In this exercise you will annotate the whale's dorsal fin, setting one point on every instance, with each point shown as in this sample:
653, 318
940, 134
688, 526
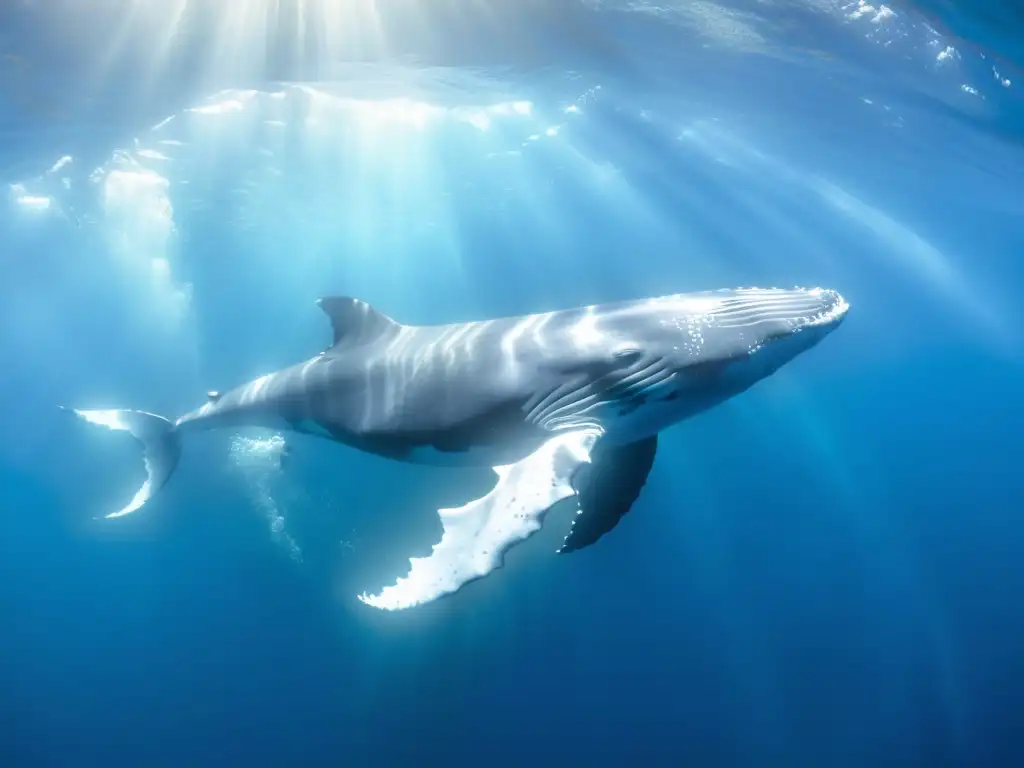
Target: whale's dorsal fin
354, 321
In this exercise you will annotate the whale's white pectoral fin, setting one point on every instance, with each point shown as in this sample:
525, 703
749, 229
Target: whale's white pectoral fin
477, 535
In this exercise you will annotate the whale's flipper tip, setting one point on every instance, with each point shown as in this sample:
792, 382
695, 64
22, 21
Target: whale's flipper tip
477, 535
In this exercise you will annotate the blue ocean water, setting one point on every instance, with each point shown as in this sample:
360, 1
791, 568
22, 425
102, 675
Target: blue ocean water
825, 571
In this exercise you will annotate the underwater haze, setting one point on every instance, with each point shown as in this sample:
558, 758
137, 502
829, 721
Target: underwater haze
824, 571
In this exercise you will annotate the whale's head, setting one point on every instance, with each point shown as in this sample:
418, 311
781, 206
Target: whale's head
661, 360
723, 342
682, 354
751, 332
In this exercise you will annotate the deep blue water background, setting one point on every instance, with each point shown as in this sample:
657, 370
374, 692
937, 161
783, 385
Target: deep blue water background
825, 571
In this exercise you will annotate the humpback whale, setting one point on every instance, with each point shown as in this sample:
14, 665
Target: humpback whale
562, 404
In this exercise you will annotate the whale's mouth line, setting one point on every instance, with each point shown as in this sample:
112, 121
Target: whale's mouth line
831, 315
794, 309
834, 313
776, 320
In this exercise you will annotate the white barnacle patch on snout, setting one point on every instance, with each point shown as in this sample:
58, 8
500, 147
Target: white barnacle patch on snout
834, 310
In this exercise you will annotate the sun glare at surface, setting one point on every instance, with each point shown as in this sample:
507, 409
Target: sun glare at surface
305, 112
252, 39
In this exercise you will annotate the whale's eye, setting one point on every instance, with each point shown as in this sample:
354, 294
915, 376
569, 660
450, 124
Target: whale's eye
627, 356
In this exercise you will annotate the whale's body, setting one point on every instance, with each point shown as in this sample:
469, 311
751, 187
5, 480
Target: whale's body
535, 396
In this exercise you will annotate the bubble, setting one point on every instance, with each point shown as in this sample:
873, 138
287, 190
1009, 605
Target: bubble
259, 460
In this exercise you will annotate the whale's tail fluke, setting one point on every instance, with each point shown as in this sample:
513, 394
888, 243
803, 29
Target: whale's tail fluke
160, 444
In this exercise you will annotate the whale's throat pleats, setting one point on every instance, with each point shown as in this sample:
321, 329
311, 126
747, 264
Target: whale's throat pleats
585, 399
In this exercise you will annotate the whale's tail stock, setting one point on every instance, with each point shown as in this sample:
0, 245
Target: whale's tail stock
160, 445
